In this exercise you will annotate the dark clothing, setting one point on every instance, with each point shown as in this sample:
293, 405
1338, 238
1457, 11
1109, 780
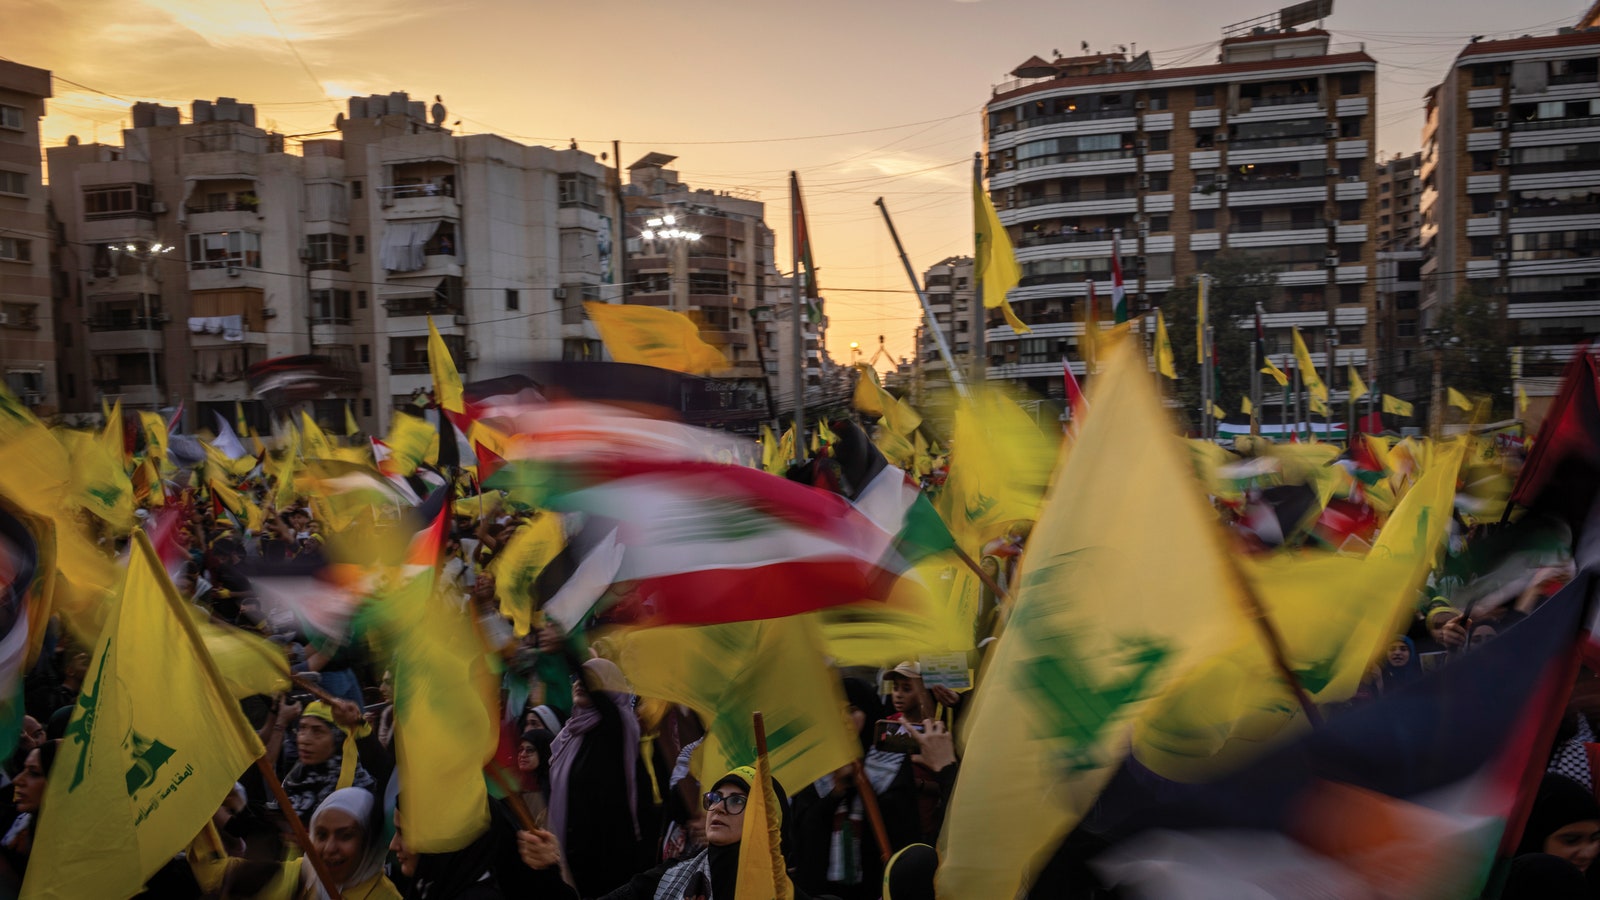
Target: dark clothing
723, 863
487, 869
817, 816
601, 847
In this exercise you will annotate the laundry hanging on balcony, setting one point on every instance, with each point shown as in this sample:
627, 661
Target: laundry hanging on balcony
403, 243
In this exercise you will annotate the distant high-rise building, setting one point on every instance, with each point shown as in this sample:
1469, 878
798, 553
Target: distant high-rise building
28, 338
1268, 152
948, 284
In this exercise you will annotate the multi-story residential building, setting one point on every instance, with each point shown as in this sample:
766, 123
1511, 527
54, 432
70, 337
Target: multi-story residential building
1268, 152
1399, 260
1511, 191
341, 251
1399, 206
725, 280
948, 284
27, 324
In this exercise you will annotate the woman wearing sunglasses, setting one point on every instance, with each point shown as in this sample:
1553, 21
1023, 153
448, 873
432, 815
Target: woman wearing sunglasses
711, 874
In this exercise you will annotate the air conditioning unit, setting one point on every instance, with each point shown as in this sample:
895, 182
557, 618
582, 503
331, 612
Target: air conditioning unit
1502, 289
158, 207
1144, 182
305, 254
1220, 137
1503, 157
1330, 223
269, 313
559, 293
31, 398
1140, 104
1502, 204
1144, 229
1502, 116
1009, 164
459, 321
1352, 179
5, 319
1502, 126
1139, 151
1221, 183
1332, 171
1500, 244
164, 318
470, 355
1331, 262
1332, 132
1141, 142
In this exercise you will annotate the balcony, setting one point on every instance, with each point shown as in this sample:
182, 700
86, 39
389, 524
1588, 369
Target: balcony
115, 322
1557, 124
1269, 143
1074, 197
1090, 156
1058, 118
1249, 103
1274, 184
242, 204
1540, 210
1066, 237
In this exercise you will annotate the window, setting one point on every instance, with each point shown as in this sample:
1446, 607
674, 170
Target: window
1482, 204
366, 406
365, 352
15, 250
578, 349
1350, 83
1160, 181
1483, 160
1156, 100
1483, 75
361, 299
1350, 127
355, 190
22, 316
1350, 168
1159, 224
328, 251
13, 183
1160, 141
1349, 293
512, 300
578, 189
361, 243
330, 307
1205, 219
409, 355
225, 249
1205, 95
1349, 210
1481, 245
1482, 117
11, 117
116, 201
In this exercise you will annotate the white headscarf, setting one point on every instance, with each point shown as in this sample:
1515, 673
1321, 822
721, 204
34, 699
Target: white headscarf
356, 803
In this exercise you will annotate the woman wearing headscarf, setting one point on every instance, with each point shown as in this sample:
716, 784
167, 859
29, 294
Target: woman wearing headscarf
346, 834
27, 796
1401, 665
329, 758
596, 775
836, 850
714, 871
1564, 822
533, 768
500, 863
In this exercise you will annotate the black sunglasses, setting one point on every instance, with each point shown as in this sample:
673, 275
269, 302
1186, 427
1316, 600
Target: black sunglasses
733, 803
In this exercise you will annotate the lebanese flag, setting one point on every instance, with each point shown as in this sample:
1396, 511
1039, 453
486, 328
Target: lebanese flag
704, 544
1075, 398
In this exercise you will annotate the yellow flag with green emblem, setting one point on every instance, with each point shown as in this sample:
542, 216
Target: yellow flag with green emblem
1308, 372
155, 439
1358, 388
1457, 399
1394, 406
995, 262
1165, 364
1000, 465
1105, 618
1277, 374
155, 743
100, 484
652, 336
447, 389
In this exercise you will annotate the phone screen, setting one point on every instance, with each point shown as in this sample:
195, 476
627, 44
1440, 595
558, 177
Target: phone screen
893, 736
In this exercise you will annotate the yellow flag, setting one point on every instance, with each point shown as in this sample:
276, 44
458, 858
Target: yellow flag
1105, 619
825, 434
727, 672
1200, 321
227, 496
247, 663
1396, 407
1522, 398
516, 568
155, 439
1217, 412
351, 429
408, 440
932, 609
220, 467
1000, 465
872, 399
1358, 388
99, 482
653, 336
770, 461
1318, 405
995, 262
446, 380
1248, 408
155, 742
111, 438
314, 441
1457, 399
1165, 364
763, 874
869, 394
1278, 375
1334, 614
1308, 372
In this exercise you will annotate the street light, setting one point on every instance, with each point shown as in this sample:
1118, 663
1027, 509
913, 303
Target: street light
855, 352
145, 254
665, 228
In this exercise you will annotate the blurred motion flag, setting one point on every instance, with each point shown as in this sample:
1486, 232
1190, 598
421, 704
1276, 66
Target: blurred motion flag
155, 438
99, 482
517, 567
407, 443
1457, 399
1247, 407
1124, 587
446, 379
871, 398
314, 442
1164, 361
1000, 465
772, 461
653, 336
1396, 407
1308, 372
1522, 398
27, 574
351, 429
802, 243
994, 262
1358, 388
155, 743
727, 672
446, 702
1278, 375
247, 663
1217, 412
1562, 473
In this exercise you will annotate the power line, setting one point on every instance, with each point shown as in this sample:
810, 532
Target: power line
296, 51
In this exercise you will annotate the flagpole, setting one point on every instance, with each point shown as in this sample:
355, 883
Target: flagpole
797, 342
933, 324
298, 827
980, 358
1269, 633
1205, 359
1255, 392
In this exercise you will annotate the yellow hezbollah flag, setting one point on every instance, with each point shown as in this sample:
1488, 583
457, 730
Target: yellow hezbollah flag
530, 549
314, 441
1278, 375
446, 380
995, 263
1358, 388
1165, 364
872, 399
1396, 407
408, 441
1308, 372
1248, 408
727, 672
1217, 412
763, 874
248, 663
155, 439
1104, 620
652, 336
1457, 399
351, 429
1522, 398
99, 482
155, 742
1000, 465
1334, 613
770, 463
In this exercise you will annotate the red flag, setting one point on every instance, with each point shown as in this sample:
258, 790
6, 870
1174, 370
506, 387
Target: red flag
1075, 400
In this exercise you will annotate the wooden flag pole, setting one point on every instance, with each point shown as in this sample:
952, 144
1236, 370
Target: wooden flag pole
513, 799
299, 828
985, 577
869, 803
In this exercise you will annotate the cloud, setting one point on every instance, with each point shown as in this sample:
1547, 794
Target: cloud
244, 25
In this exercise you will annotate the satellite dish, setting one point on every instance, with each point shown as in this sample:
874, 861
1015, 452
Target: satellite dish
438, 110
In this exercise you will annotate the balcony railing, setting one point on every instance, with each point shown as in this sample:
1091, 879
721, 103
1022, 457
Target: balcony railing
1551, 168
223, 206
1090, 156
1265, 143
1077, 197
124, 323
1574, 78
1278, 100
1557, 124
1535, 210
412, 367
1274, 184
1065, 237
1258, 227
421, 306
401, 191
1058, 118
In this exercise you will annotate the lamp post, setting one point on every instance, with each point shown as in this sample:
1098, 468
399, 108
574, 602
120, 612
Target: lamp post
145, 254
665, 228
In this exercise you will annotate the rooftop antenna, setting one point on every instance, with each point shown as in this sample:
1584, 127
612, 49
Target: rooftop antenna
1085, 45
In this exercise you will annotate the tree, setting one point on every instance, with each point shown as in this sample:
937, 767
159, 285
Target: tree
1477, 349
1238, 283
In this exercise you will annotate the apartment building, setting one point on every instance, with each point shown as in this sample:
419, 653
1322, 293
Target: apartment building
1398, 332
722, 279
340, 249
27, 323
1511, 192
1266, 152
949, 286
